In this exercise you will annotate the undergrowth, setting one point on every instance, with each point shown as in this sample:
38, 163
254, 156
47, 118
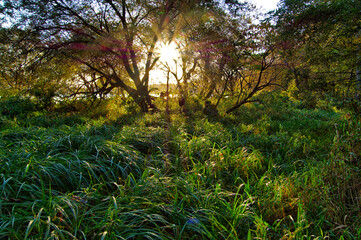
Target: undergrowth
273, 171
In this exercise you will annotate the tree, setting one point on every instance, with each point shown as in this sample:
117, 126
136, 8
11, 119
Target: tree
114, 39
235, 56
28, 72
16, 61
257, 66
320, 42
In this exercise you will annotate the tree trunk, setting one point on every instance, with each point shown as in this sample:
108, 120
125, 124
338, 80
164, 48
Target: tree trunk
167, 106
358, 79
210, 92
141, 97
223, 91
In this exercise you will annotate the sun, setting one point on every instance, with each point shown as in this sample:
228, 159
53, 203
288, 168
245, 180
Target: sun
168, 56
169, 53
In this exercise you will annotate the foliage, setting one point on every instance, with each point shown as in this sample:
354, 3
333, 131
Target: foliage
320, 45
17, 107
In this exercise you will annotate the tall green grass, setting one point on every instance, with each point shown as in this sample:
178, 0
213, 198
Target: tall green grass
274, 171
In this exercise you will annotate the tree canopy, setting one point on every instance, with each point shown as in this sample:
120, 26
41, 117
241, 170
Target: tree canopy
114, 41
91, 47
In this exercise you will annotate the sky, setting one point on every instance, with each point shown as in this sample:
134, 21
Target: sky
266, 5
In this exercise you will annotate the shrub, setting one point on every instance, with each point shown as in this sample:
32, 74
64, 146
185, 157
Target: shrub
17, 106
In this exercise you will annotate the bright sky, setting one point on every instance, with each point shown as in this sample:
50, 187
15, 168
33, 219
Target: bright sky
266, 5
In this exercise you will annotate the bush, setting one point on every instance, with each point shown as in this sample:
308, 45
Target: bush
17, 106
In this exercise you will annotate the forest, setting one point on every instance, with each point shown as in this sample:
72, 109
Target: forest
180, 119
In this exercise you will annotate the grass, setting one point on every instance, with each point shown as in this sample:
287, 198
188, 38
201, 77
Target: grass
274, 171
